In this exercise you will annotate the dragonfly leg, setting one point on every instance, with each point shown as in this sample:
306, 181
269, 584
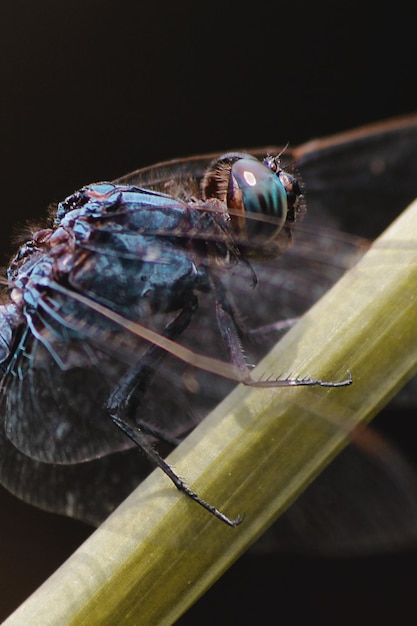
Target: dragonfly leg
125, 399
231, 330
141, 440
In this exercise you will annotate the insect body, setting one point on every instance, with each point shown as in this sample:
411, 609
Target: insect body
178, 248
145, 256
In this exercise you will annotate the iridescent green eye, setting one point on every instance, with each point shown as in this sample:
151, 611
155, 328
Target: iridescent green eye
261, 199
257, 200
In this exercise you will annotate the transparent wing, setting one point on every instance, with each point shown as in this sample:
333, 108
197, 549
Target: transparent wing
356, 181
351, 180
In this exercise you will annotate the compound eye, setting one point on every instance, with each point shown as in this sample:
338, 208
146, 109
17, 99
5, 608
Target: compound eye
256, 200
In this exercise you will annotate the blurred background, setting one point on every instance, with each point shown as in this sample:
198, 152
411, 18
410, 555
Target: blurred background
92, 89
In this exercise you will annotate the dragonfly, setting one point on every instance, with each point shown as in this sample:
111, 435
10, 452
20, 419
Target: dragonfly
70, 351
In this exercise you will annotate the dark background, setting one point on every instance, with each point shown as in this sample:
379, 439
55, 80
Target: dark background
93, 89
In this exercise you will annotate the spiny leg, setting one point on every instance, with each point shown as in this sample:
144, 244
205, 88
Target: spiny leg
141, 440
231, 330
126, 397
125, 400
